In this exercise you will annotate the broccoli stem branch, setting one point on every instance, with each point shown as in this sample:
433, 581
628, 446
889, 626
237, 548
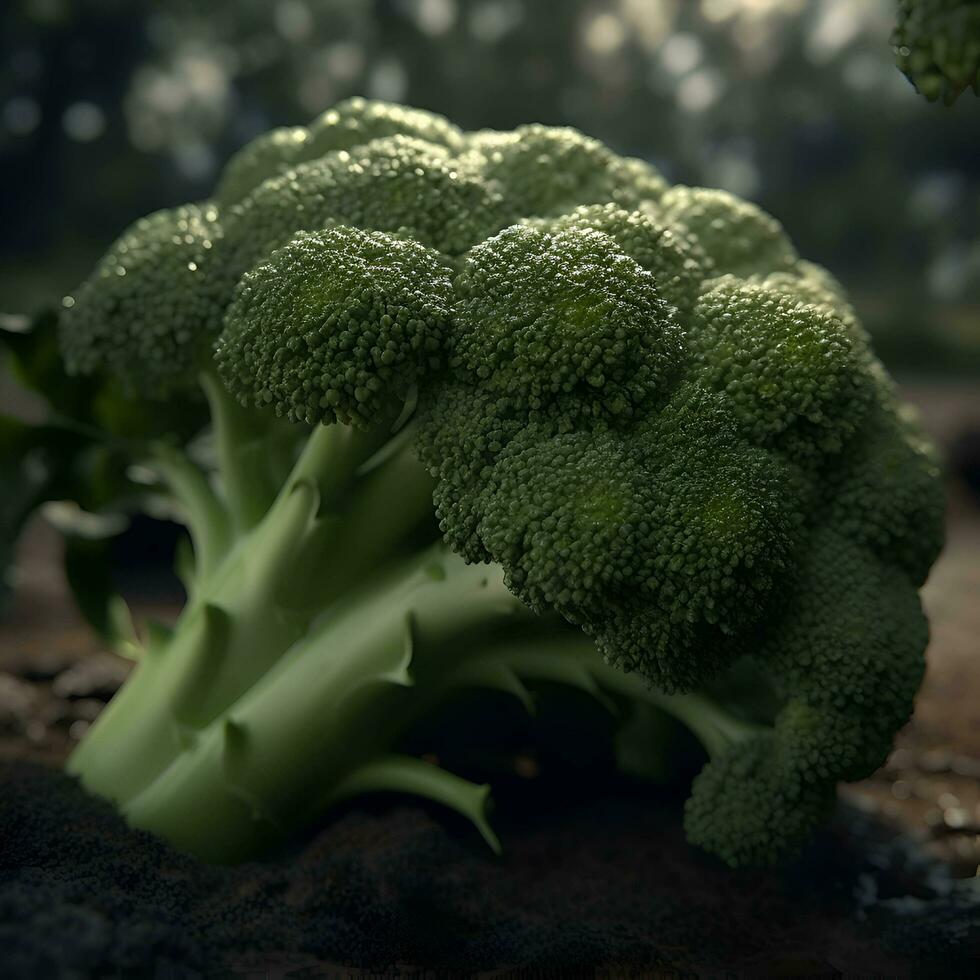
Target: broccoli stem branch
336, 703
713, 726
325, 720
308, 650
206, 518
255, 600
332, 456
241, 451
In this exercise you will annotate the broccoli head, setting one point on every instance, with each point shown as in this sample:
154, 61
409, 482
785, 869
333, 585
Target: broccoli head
937, 46
656, 442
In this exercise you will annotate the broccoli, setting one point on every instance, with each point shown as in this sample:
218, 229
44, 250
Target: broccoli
492, 410
937, 46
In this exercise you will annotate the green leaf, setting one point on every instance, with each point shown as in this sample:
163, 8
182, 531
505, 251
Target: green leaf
79, 453
406, 774
31, 463
89, 575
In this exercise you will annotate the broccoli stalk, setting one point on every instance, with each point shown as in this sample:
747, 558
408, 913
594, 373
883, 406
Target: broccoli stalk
489, 409
312, 643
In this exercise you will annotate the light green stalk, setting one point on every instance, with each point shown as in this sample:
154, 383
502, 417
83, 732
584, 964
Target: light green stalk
255, 593
308, 650
326, 720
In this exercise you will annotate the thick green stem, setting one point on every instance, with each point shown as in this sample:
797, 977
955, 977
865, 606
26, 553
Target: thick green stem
241, 451
325, 721
390, 502
336, 702
247, 610
304, 656
332, 456
244, 613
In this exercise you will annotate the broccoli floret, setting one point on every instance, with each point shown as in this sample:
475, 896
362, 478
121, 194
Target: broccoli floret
937, 46
735, 235
152, 308
795, 375
884, 492
336, 326
351, 123
544, 170
673, 258
845, 658
580, 330
398, 184
811, 284
488, 410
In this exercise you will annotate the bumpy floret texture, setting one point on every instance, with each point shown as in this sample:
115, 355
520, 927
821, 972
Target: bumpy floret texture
794, 372
845, 658
151, 306
672, 256
546, 170
735, 235
564, 322
662, 539
937, 46
882, 491
363, 315
397, 184
351, 123
663, 424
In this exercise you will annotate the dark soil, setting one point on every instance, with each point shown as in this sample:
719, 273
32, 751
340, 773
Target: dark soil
585, 883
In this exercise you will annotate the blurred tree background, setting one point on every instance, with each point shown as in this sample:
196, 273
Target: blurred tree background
113, 108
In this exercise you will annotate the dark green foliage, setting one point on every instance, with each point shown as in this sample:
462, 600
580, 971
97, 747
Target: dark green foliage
78, 451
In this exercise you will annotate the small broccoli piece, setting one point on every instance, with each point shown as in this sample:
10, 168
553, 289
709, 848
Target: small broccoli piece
886, 492
349, 124
796, 376
152, 307
724, 519
661, 544
849, 645
673, 258
845, 655
546, 170
564, 323
490, 410
569, 536
269, 155
397, 184
937, 46
735, 235
336, 326
749, 806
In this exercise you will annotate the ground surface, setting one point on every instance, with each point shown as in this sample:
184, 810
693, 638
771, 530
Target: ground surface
602, 882
601, 878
